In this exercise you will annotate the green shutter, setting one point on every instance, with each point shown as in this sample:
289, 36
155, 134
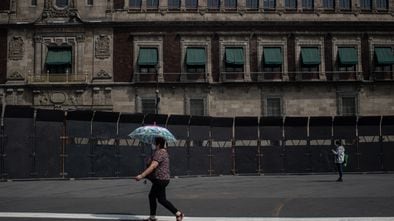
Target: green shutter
273, 56
234, 56
58, 57
147, 56
384, 56
195, 56
310, 56
347, 56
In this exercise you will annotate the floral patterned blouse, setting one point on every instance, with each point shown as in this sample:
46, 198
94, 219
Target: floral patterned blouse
162, 171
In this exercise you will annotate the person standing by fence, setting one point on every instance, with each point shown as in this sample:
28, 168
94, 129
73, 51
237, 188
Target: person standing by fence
339, 153
159, 171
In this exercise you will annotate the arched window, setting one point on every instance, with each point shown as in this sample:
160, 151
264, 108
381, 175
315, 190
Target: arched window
61, 3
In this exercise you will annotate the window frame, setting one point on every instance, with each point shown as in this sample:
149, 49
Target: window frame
266, 104
340, 105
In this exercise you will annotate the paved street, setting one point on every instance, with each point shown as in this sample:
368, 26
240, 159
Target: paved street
234, 197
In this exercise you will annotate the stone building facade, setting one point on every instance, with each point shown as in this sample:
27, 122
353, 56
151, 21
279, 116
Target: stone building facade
206, 57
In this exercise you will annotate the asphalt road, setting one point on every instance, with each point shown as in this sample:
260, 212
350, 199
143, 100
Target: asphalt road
360, 195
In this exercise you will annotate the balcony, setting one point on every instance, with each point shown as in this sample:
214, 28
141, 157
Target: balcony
232, 76
267, 76
346, 75
383, 76
58, 78
170, 77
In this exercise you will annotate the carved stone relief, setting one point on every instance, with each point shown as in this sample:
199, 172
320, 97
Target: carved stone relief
102, 47
16, 49
102, 75
15, 76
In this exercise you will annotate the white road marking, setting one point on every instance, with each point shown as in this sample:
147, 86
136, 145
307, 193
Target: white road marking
167, 218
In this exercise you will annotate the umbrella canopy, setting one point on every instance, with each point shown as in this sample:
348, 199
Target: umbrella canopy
147, 134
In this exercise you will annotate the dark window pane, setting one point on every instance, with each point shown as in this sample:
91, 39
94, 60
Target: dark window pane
148, 105
152, 4
34, 2
61, 3
252, 4
274, 107
366, 4
231, 4
381, 4
197, 107
269, 4
344, 4
191, 4
118, 4
348, 106
307, 4
291, 4
134, 3
213, 4
174, 4
328, 4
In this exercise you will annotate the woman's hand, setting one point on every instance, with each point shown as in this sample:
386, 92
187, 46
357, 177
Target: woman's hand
139, 177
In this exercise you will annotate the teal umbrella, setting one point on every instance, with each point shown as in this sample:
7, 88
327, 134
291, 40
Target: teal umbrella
148, 134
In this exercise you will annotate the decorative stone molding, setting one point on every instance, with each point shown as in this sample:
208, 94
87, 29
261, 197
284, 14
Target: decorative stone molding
16, 76
102, 75
16, 48
52, 11
102, 46
58, 97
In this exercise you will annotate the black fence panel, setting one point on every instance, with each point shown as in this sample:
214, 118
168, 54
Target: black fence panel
179, 126
105, 161
388, 155
79, 150
246, 160
78, 161
296, 128
200, 127
132, 160
272, 160
370, 156
222, 128
353, 160
222, 161
104, 124
320, 127
246, 128
19, 150
128, 123
179, 159
297, 159
200, 162
388, 125
322, 158
344, 127
271, 128
368, 126
50, 134
156, 119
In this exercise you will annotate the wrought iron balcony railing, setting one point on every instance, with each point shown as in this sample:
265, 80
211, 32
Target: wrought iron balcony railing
58, 78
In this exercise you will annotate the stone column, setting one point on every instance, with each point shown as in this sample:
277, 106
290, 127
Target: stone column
80, 53
37, 55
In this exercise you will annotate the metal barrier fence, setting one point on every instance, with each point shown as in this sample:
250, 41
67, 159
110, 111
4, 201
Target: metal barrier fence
36, 143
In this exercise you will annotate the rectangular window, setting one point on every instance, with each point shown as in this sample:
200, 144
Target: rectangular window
89, 2
345, 4
273, 107
291, 4
230, 4
234, 59
152, 4
118, 4
135, 4
197, 107
147, 60
174, 4
366, 4
269, 4
307, 4
59, 60
328, 4
381, 4
148, 105
349, 106
213, 4
252, 4
34, 2
191, 4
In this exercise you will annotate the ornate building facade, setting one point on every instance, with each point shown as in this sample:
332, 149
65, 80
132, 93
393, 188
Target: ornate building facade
200, 57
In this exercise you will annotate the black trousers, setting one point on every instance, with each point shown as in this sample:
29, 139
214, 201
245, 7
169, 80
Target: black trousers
340, 170
158, 191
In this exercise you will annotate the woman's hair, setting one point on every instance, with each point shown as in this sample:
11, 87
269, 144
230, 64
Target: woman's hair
338, 142
160, 141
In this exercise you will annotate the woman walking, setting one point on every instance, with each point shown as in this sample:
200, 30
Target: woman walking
159, 174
